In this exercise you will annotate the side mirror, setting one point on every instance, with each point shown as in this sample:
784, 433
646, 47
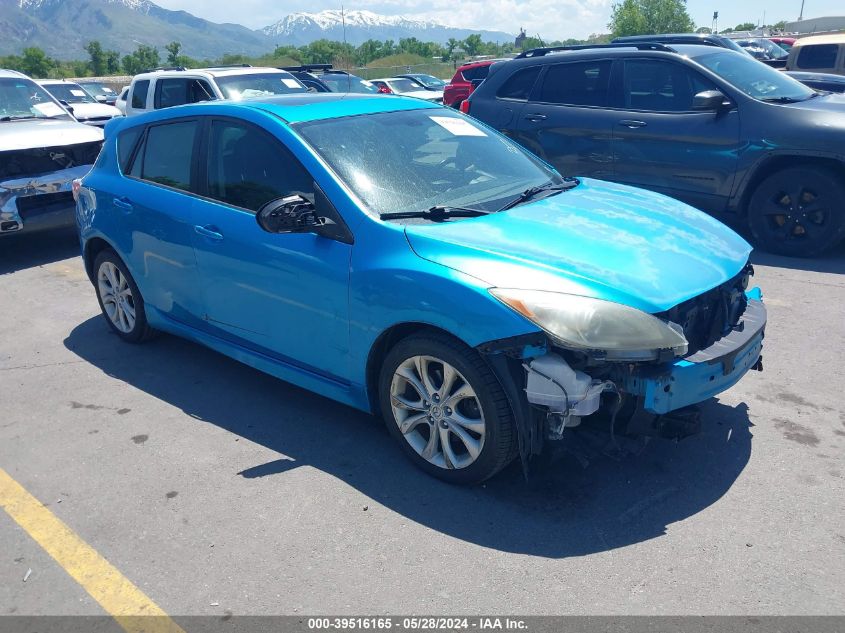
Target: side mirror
709, 100
101, 98
67, 106
291, 214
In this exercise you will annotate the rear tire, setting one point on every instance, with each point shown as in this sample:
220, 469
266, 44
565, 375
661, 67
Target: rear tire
119, 298
798, 211
446, 408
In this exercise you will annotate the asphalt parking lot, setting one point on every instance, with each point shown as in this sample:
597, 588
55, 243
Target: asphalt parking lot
218, 490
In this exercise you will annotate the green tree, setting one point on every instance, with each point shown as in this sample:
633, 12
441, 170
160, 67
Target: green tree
451, 45
144, 58
173, 50
472, 45
745, 26
648, 17
35, 63
98, 63
779, 26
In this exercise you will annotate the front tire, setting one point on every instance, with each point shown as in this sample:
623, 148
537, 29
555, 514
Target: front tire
446, 408
119, 298
798, 211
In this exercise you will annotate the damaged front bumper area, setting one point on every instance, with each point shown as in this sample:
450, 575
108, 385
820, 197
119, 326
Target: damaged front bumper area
551, 390
45, 201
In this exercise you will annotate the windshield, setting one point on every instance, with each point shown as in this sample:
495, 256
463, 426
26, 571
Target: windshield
403, 85
22, 98
98, 89
772, 50
753, 78
237, 87
339, 82
430, 80
72, 93
417, 159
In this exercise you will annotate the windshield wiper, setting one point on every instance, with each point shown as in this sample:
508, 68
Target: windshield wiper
437, 213
781, 100
567, 184
23, 117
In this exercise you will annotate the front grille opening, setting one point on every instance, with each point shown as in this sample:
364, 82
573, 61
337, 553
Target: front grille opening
710, 316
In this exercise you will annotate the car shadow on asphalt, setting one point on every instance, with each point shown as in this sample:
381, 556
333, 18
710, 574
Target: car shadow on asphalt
566, 509
18, 252
831, 262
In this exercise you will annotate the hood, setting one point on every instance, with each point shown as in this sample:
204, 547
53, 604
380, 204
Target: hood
834, 103
599, 240
45, 133
94, 110
428, 95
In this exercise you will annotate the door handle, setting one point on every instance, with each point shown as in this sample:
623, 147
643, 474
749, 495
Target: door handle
210, 232
123, 204
630, 123
535, 117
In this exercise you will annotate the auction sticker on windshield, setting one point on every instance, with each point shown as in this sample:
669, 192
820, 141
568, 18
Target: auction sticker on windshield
291, 83
48, 109
458, 127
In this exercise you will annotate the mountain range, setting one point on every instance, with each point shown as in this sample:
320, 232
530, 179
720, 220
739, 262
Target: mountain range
62, 28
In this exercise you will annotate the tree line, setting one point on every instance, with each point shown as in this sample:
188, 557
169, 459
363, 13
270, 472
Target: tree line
34, 62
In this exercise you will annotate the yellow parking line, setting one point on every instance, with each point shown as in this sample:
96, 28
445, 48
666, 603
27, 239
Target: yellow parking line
111, 589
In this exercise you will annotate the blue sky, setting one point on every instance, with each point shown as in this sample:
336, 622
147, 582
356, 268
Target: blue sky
552, 19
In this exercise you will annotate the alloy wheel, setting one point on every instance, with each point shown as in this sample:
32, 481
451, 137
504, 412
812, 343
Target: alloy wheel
796, 212
438, 412
116, 295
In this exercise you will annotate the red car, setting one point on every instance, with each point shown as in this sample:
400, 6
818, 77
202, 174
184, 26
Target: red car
785, 43
457, 90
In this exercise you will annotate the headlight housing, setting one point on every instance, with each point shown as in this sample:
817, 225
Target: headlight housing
583, 323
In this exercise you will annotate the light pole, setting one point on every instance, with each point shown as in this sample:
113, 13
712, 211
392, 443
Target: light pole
801, 15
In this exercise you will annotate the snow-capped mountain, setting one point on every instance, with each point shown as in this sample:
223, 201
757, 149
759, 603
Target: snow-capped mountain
303, 28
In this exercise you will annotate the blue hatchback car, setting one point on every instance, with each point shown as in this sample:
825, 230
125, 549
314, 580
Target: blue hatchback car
408, 261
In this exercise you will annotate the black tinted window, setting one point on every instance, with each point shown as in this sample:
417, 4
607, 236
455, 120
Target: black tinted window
125, 144
479, 72
581, 83
177, 91
817, 56
519, 85
139, 94
661, 86
168, 152
247, 167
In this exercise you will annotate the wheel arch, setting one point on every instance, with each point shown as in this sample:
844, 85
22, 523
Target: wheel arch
773, 164
382, 346
93, 247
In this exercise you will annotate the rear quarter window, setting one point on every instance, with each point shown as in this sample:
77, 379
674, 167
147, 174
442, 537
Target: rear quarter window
479, 72
139, 94
817, 56
518, 86
126, 142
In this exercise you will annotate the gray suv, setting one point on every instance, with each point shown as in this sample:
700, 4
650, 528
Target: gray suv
703, 124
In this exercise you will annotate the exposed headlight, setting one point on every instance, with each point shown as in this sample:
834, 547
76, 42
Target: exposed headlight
582, 323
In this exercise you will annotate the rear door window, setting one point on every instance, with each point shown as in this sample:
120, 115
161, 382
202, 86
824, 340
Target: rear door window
577, 83
817, 56
168, 154
139, 94
178, 90
519, 85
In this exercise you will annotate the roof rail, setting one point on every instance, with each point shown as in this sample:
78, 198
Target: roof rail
642, 46
229, 66
307, 68
161, 68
